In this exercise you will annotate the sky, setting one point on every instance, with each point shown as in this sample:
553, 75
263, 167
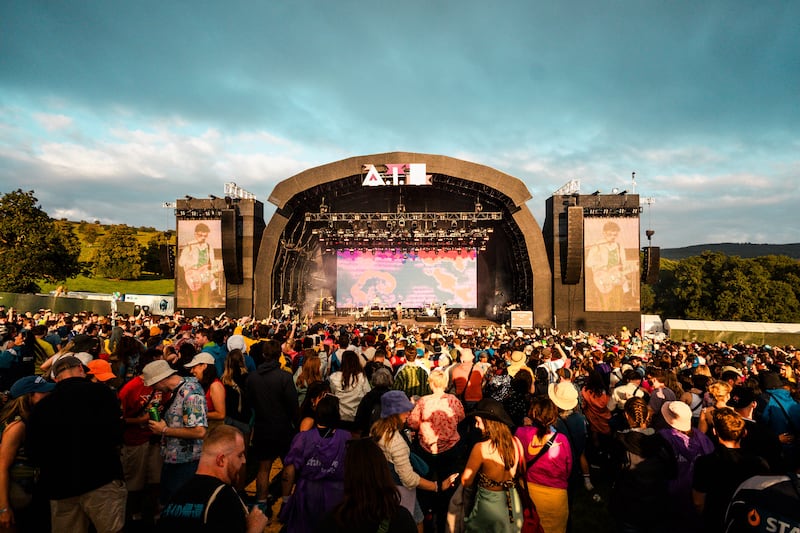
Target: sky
110, 109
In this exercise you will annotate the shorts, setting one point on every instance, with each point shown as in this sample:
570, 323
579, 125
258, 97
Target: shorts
269, 448
141, 465
103, 506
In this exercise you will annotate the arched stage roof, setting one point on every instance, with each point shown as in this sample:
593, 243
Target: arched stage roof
516, 259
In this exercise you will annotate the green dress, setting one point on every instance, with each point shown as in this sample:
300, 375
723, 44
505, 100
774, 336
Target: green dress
495, 511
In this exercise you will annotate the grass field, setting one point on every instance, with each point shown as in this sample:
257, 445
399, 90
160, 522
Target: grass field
146, 285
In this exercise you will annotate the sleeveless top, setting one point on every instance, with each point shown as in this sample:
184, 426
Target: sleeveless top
22, 470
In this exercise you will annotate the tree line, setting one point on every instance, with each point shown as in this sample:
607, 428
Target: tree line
34, 247
715, 286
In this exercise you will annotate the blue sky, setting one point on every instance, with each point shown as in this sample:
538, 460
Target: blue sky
109, 109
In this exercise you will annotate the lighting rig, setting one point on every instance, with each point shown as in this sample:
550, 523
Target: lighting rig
403, 230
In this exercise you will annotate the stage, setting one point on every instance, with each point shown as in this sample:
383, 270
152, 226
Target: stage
420, 321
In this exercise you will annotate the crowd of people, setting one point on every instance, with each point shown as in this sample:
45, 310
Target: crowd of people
142, 422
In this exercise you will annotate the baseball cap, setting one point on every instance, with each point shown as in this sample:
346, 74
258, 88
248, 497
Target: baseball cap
101, 370
30, 384
202, 357
65, 363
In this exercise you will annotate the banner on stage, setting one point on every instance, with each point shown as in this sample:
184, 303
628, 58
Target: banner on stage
522, 319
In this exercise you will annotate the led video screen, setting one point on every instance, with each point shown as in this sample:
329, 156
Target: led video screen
199, 273
384, 278
611, 261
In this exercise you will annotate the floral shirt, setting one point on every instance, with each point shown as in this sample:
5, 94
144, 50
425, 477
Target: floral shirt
188, 410
436, 419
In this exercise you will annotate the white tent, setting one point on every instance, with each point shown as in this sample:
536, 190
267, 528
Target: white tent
733, 332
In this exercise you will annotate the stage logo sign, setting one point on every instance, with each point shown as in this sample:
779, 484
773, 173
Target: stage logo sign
395, 174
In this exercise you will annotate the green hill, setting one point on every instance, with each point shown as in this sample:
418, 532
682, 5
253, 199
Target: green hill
743, 250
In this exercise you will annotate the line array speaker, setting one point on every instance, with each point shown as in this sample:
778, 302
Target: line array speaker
231, 247
652, 264
166, 260
572, 272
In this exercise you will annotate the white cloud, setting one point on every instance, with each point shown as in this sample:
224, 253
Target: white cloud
53, 122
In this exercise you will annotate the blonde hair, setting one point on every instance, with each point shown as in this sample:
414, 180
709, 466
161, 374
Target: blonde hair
720, 391
500, 436
438, 379
702, 370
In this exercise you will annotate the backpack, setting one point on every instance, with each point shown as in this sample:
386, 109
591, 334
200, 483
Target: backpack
543, 377
375, 413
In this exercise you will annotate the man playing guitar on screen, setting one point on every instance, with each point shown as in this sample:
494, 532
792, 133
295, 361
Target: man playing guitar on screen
197, 261
610, 270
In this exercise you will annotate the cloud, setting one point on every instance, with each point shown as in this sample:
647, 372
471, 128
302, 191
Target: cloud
53, 122
109, 109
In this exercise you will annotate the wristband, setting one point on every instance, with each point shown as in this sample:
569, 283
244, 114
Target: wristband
164, 431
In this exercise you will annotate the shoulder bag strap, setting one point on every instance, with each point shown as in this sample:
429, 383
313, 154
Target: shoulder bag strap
543, 451
463, 394
211, 501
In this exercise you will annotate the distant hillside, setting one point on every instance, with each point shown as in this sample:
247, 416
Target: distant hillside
745, 250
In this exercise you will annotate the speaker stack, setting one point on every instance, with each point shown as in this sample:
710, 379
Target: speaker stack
572, 272
232, 247
652, 264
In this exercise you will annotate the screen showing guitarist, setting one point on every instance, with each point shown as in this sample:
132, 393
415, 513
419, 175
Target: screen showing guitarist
198, 263
609, 273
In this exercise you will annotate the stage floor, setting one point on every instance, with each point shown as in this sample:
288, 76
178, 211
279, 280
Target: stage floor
452, 323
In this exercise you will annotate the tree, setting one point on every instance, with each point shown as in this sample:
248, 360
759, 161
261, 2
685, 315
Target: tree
118, 254
713, 286
32, 245
90, 233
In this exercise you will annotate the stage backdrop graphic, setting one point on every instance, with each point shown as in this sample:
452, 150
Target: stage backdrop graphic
415, 279
611, 263
199, 271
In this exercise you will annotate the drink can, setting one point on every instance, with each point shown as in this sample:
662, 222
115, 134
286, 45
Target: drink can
153, 412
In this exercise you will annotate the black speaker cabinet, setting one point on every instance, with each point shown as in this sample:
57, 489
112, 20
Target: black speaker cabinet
572, 272
232, 247
652, 264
